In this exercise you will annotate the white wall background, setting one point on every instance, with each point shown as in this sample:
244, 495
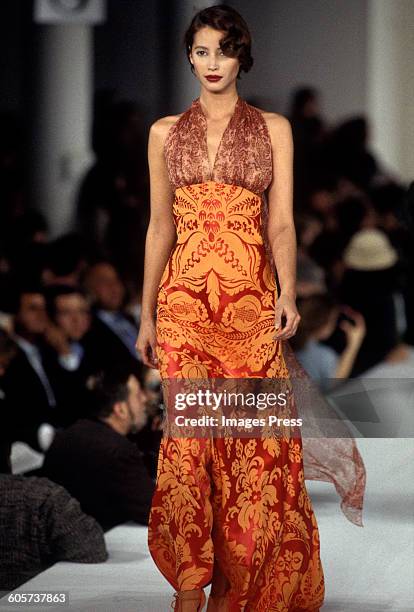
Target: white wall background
317, 42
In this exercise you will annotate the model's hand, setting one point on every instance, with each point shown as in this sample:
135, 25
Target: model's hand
146, 343
286, 309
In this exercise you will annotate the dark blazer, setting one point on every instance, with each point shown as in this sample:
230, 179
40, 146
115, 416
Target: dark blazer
26, 405
40, 525
70, 387
5, 440
103, 470
104, 346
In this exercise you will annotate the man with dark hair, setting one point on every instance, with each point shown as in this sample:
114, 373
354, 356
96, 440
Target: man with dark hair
96, 462
65, 261
68, 310
113, 332
31, 397
71, 365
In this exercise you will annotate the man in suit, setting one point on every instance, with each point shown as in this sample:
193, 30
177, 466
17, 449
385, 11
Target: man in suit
113, 332
69, 315
96, 462
8, 350
30, 396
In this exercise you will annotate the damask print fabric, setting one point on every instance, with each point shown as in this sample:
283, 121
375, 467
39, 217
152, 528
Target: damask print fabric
241, 502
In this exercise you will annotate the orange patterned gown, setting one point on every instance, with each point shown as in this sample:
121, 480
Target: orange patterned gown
238, 502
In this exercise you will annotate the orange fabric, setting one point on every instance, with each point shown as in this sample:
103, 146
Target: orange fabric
241, 501
216, 301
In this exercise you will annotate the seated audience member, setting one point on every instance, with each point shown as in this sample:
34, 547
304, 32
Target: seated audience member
42, 524
27, 383
350, 213
69, 315
348, 153
310, 276
96, 462
149, 437
113, 332
8, 350
308, 131
68, 310
369, 283
395, 209
65, 261
319, 317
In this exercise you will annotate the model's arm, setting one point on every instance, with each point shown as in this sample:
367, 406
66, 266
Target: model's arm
161, 236
281, 229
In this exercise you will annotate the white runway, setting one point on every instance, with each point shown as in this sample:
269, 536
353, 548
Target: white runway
367, 569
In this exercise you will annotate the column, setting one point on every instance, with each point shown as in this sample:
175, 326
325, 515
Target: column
62, 90
390, 83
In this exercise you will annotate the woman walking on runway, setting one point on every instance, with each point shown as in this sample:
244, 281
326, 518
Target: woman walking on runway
233, 512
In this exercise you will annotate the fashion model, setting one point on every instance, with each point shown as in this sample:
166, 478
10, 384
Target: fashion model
230, 512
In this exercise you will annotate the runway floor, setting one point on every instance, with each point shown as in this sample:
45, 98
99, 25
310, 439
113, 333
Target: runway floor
367, 569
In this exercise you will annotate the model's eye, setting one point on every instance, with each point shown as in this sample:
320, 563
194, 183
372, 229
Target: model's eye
200, 52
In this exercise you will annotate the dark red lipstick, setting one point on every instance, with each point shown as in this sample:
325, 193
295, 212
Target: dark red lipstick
213, 78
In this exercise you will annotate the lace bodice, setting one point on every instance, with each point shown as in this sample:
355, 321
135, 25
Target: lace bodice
244, 155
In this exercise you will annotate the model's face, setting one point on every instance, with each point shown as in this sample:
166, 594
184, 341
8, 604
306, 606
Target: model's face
209, 60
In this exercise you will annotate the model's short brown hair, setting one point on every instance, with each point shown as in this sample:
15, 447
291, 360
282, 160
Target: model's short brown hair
237, 40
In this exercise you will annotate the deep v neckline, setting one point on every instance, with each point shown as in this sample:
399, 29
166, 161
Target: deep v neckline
223, 136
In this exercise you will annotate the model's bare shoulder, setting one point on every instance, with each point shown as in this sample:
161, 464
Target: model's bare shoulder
277, 124
160, 128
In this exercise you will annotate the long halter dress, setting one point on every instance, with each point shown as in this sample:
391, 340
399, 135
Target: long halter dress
238, 502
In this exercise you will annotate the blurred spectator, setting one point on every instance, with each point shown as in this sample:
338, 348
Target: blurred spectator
149, 437
42, 524
69, 314
319, 317
27, 383
322, 199
388, 201
353, 213
347, 153
113, 332
308, 131
369, 283
94, 460
23, 255
65, 261
310, 276
113, 210
8, 350
408, 216
346, 217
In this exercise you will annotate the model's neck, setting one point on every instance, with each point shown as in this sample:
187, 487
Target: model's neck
218, 105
